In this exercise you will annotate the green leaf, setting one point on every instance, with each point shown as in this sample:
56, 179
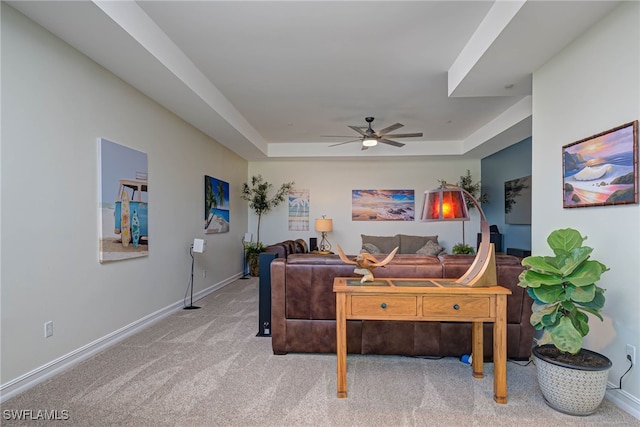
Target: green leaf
565, 239
580, 321
573, 259
586, 274
549, 294
549, 320
566, 337
535, 279
540, 310
581, 294
541, 264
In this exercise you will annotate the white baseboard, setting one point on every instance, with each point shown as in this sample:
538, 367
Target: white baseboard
623, 400
50, 369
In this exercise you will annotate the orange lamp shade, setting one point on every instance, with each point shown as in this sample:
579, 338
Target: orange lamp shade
444, 205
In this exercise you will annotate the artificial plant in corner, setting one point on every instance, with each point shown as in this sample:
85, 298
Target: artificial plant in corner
257, 194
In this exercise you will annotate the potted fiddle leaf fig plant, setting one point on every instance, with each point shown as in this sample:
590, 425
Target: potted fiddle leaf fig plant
564, 292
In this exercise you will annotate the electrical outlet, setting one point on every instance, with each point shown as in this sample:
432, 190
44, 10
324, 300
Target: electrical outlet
48, 329
631, 352
204, 274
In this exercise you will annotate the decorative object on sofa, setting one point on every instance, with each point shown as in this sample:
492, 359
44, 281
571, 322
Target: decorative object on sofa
246, 240
258, 197
253, 251
324, 225
365, 263
370, 138
446, 203
198, 246
602, 169
563, 290
216, 205
382, 205
462, 249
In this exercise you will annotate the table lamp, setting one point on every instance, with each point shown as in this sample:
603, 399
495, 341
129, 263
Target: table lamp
324, 225
447, 203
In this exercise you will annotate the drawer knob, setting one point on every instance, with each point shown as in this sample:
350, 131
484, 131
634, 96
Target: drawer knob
383, 305
456, 307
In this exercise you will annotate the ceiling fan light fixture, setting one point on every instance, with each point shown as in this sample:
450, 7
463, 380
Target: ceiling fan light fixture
369, 142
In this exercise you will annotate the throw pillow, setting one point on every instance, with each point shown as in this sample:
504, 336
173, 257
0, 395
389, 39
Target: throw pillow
371, 248
411, 244
430, 248
385, 243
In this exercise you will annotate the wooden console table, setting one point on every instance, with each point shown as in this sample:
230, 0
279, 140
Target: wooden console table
425, 300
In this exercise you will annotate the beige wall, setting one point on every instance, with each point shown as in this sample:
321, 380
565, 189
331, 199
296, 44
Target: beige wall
56, 103
591, 86
330, 184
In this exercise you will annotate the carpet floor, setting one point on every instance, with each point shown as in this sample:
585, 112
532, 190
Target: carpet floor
207, 368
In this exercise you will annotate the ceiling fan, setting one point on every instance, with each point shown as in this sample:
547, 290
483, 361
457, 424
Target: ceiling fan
370, 138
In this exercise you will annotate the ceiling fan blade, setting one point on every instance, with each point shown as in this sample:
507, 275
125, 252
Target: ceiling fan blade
364, 147
346, 142
390, 142
388, 129
404, 135
359, 130
336, 136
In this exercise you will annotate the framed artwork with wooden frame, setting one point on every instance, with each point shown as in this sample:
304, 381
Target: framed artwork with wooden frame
602, 170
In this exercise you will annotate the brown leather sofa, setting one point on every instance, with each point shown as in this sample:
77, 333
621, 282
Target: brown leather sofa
288, 247
303, 309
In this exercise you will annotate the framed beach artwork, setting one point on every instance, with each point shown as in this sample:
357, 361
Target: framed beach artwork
123, 202
299, 210
382, 205
216, 205
603, 169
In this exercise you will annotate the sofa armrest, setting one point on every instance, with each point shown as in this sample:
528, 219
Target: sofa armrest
278, 297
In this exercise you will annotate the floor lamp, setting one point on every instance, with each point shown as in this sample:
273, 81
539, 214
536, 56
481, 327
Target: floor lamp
198, 246
447, 203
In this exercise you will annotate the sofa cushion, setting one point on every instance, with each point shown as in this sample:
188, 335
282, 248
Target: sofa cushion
430, 248
371, 248
411, 244
386, 243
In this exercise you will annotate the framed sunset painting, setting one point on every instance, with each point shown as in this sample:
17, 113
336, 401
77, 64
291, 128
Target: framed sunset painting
382, 205
602, 169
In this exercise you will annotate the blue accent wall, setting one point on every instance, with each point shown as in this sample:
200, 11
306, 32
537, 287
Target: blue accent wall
510, 163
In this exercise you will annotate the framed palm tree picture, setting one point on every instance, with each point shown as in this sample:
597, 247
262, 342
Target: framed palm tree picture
216, 205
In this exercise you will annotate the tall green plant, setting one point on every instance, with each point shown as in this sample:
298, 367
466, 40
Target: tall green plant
257, 194
563, 290
467, 184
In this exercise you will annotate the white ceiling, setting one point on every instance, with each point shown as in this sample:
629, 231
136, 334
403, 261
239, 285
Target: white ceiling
269, 78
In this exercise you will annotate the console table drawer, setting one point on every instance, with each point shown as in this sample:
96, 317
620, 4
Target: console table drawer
388, 305
456, 306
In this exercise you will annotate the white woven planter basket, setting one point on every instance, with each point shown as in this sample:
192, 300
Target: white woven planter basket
572, 390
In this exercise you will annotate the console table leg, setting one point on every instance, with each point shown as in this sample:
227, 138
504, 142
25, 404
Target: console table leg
341, 343
477, 363
500, 351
